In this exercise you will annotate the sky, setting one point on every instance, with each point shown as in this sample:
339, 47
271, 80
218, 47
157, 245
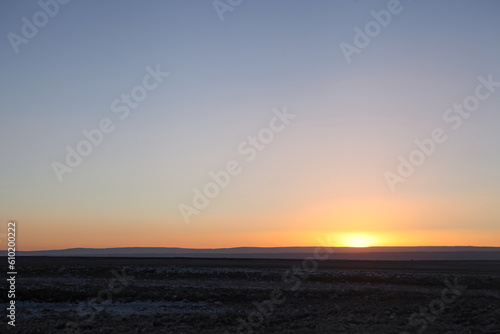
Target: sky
207, 124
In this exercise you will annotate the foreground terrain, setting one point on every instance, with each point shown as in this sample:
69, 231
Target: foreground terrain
181, 295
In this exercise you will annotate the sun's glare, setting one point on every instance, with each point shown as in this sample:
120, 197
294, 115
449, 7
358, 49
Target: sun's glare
357, 240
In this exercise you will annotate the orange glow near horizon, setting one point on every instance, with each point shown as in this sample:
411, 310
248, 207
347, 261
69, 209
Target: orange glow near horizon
340, 225
298, 238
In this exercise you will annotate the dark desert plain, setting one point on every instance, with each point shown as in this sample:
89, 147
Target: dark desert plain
256, 295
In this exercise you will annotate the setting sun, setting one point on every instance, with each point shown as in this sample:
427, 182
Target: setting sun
357, 240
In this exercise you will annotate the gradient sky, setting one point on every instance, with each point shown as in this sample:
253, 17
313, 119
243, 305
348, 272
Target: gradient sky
321, 177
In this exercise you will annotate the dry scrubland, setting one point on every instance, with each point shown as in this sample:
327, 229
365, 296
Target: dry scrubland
211, 295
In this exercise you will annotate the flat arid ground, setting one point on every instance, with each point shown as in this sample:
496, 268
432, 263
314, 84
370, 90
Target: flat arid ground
181, 295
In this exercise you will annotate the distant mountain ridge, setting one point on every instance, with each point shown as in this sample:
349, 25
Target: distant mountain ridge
347, 253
